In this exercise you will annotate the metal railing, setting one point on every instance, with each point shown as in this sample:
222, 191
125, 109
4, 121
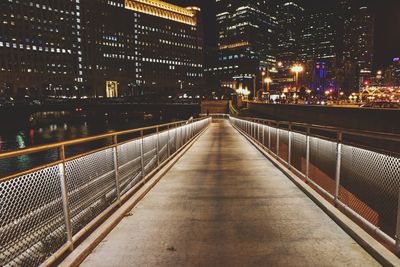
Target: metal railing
362, 182
45, 210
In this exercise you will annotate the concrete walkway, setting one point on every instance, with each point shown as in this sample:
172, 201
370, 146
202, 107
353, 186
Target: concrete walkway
225, 204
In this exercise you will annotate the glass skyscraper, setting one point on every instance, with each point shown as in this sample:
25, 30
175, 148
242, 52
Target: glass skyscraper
246, 40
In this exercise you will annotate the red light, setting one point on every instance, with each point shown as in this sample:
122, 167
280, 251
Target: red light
32, 136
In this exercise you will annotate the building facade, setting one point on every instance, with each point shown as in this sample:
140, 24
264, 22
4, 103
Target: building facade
319, 50
246, 41
168, 46
356, 42
100, 48
39, 46
364, 44
392, 73
290, 16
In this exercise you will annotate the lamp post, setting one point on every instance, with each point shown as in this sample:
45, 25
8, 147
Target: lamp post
245, 92
254, 87
262, 80
268, 81
297, 69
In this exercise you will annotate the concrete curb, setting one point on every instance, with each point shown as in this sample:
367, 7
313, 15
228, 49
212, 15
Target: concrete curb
367, 242
76, 257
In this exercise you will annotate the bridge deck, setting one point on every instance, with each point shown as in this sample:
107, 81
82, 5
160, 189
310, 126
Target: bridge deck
225, 204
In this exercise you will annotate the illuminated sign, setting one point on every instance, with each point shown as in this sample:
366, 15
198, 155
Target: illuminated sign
235, 45
164, 10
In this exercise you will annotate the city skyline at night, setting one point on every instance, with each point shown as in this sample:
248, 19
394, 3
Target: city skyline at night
387, 15
199, 133
100, 48
168, 49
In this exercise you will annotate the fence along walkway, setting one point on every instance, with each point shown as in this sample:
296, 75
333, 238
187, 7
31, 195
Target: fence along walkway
225, 204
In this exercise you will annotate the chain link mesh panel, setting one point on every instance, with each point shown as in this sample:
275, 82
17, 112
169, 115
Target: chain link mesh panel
299, 152
32, 220
264, 135
274, 132
284, 145
369, 181
323, 163
129, 165
173, 142
150, 153
91, 187
32, 224
370, 184
163, 146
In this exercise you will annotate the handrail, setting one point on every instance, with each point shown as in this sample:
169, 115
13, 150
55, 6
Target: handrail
370, 134
63, 144
48, 209
353, 177
41, 148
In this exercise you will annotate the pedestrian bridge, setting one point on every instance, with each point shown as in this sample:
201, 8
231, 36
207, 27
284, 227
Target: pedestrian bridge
219, 191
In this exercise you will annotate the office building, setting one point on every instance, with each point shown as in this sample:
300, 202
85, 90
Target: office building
100, 48
246, 41
290, 16
39, 47
392, 73
319, 50
364, 44
358, 40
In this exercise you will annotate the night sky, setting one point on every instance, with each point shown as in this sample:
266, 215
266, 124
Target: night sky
387, 28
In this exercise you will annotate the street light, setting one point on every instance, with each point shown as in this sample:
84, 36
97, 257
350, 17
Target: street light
268, 81
297, 69
245, 93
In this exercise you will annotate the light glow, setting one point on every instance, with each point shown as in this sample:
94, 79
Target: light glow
163, 10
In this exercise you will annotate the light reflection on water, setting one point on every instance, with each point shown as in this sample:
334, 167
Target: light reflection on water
56, 132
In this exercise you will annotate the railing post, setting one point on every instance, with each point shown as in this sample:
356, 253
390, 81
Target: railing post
269, 135
290, 145
115, 157
338, 166
263, 135
397, 236
176, 137
142, 154
181, 142
64, 193
277, 139
308, 154
158, 147
168, 144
